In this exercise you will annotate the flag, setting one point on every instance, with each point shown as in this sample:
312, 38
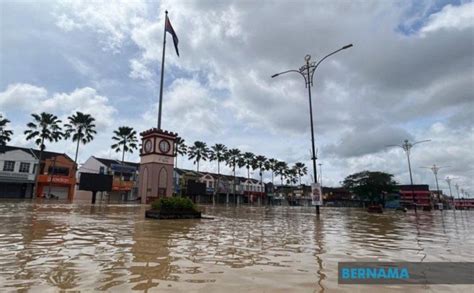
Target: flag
169, 28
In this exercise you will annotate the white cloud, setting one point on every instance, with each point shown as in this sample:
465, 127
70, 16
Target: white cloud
31, 98
21, 96
450, 17
112, 20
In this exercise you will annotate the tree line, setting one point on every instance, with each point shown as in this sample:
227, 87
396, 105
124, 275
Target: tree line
46, 127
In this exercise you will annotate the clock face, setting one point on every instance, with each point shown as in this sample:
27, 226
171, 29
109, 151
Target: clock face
164, 146
148, 146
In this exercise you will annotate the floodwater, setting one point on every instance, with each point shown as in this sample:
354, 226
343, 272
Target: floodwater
48, 247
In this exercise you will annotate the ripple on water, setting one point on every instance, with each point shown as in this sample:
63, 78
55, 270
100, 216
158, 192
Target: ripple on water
81, 247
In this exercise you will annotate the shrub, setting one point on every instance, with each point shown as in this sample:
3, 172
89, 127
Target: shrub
170, 203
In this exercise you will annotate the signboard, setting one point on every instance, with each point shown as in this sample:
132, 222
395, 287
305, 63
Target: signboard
316, 194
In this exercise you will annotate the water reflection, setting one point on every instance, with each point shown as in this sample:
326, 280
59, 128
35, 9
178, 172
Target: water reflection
52, 247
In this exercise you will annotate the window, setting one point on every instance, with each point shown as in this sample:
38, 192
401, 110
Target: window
9, 166
101, 170
58, 171
24, 167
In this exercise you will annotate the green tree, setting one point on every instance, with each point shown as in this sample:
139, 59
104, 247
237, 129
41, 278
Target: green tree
180, 148
247, 161
370, 185
291, 176
199, 151
4, 132
126, 140
272, 166
45, 127
233, 159
260, 163
281, 169
300, 170
218, 153
82, 129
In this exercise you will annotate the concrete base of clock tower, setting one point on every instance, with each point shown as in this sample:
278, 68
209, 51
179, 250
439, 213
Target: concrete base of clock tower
156, 165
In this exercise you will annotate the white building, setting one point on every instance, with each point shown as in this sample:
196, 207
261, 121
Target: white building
17, 172
125, 177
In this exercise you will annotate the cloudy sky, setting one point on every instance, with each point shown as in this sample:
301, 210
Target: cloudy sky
409, 76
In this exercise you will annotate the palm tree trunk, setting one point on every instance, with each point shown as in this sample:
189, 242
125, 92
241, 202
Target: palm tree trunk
121, 169
272, 177
197, 165
35, 189
248, 172
77, 152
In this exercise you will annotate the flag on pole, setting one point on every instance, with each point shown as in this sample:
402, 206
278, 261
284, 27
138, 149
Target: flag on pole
169, 28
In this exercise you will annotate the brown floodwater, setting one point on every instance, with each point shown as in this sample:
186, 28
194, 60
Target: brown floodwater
48, 247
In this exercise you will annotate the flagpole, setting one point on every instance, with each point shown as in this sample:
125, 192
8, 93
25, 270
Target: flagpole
162, 71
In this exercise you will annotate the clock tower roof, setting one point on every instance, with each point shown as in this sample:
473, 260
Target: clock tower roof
156, 131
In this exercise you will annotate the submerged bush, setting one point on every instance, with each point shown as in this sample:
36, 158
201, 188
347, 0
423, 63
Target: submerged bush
173, 203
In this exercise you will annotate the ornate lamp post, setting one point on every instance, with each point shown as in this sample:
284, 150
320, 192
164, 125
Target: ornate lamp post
435, 170
307, 71
406, 146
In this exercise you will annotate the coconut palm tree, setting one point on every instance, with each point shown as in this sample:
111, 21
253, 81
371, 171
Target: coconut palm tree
291, 176
247, 161
199, 151
300, 169
233, 159
260, 163
4, 133
180, 148
218, 153
272, 165
126, 140
82, 129
281, 169
45, 127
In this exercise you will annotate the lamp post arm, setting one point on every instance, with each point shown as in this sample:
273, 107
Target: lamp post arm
322, 59
284, 72
421, 141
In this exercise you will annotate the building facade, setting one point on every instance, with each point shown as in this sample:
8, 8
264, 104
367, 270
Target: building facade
17, 172
125, 179
56, 175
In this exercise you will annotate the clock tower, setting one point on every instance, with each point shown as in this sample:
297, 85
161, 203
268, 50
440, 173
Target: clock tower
156, 164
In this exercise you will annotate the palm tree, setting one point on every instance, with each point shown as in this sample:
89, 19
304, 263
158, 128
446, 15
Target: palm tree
300, 169
180, 148
291, 176
199, 151
233, 159
218, 152
126, 141
272, 165
82, 129
4, 133
45, 127
281, 169
260, 163
247, 161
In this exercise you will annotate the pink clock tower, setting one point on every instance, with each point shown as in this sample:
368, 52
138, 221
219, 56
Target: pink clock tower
156, 164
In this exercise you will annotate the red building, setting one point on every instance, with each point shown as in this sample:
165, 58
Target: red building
416, 194
464, 203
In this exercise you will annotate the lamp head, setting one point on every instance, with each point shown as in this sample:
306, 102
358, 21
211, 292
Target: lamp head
307, 58
347, 46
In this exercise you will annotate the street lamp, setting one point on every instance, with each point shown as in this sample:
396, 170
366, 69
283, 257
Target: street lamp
406, 146
435, 170
307, 71
448, 180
